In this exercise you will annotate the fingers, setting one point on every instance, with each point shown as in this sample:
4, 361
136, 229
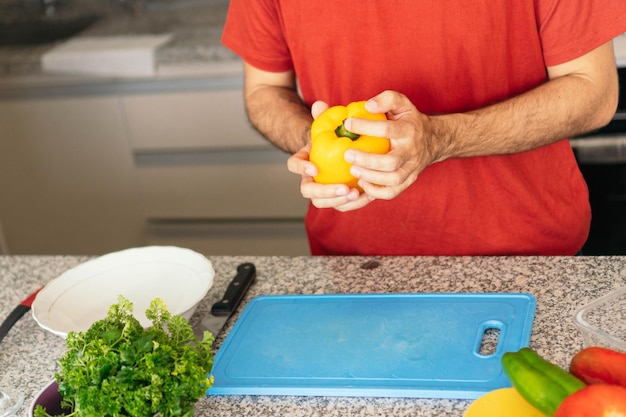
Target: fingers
397, 107
376, 128
384, 177
369, 163
299, 163
343, 205
379, 192
318, 108
390, 102
337, 196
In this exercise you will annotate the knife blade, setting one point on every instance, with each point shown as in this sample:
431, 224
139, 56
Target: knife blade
16, 314
222, 310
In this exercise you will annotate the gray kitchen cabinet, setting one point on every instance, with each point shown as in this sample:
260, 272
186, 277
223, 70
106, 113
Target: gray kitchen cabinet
208, 180
67, 183
102, 170
188, 121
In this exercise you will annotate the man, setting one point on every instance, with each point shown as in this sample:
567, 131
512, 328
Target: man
480, 97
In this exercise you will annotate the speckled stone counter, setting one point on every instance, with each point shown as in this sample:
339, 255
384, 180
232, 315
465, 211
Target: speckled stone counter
561, 284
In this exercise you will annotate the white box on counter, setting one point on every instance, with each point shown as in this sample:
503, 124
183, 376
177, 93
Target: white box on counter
123, 56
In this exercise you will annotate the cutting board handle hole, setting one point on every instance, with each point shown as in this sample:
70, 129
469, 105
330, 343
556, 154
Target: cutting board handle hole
489, 341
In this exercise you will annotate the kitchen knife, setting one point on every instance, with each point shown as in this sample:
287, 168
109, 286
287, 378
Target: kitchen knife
16, 314
223, 309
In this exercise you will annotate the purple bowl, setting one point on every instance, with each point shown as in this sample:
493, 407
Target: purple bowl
50, 398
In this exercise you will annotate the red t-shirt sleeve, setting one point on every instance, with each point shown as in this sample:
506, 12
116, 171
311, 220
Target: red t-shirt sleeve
253, 30
571, 28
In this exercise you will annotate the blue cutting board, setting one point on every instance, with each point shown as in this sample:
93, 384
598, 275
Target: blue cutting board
377, 345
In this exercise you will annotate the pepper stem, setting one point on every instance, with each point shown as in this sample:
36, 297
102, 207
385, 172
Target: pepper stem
341, 131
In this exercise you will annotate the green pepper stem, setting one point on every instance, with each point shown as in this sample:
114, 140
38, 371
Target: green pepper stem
341, 131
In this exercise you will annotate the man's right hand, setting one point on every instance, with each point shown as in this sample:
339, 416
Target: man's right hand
337, 196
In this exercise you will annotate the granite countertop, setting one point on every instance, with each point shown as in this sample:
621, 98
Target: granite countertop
560, 284
196, 26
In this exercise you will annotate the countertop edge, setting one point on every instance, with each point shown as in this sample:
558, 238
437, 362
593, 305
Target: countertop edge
183, 77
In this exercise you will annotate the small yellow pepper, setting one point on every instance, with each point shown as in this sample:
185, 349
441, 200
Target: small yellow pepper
330, 140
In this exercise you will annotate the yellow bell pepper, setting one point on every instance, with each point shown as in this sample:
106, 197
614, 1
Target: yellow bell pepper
330, 140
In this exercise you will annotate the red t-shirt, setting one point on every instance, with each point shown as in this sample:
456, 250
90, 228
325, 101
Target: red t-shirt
446, 56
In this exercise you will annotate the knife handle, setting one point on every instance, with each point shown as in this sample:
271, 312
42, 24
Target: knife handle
246, 273
12, 318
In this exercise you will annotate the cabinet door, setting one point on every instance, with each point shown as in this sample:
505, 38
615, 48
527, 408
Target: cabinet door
67, 184
189, 120
236, 202
236, 184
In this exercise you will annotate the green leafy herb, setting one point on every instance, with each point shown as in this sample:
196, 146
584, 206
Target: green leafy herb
118, 368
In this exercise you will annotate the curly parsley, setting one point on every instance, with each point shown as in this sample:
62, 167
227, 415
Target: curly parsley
118, 368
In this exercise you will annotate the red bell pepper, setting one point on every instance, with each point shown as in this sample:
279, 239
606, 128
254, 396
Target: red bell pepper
596, 365
598, 400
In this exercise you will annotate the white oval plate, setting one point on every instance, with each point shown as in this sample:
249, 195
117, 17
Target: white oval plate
82, 295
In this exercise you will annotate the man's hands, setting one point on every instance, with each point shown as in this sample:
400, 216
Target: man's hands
380, 176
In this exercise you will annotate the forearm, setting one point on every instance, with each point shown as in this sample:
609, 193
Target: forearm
562, 108
280, 115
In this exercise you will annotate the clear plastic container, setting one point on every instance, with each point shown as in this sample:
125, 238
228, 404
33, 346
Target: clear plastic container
603, 321
10, 402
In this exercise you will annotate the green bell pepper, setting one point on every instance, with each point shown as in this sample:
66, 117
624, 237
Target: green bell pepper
543, 384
